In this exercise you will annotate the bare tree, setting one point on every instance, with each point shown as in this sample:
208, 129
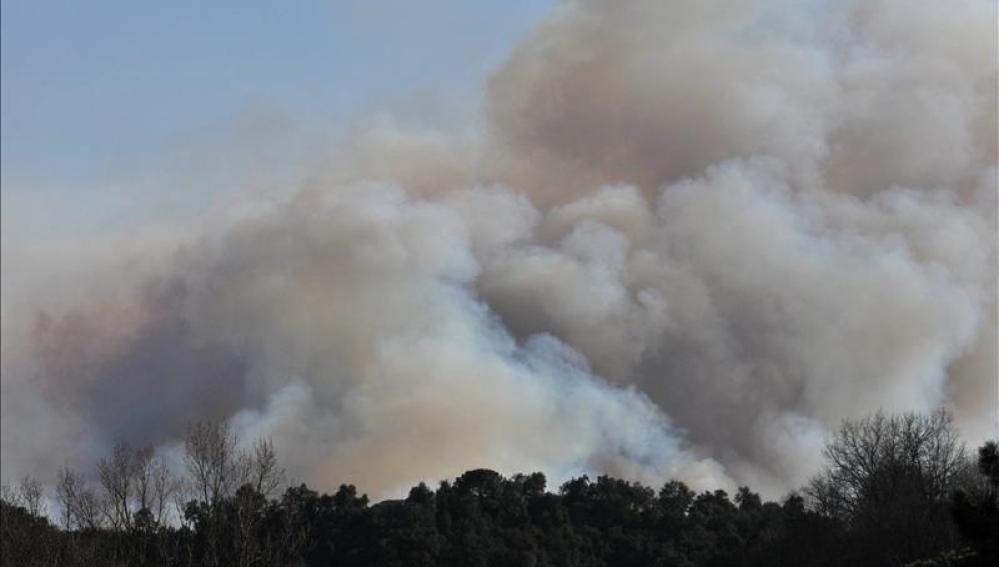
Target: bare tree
183, 492
67, 493
80, 507
120, 478
9, 495
32, 496
889, 478
265, 474
216, 469
88, 509
871, 460
142, 468
215, 465
164, 484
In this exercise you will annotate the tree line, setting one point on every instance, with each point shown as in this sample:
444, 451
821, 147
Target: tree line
895, 490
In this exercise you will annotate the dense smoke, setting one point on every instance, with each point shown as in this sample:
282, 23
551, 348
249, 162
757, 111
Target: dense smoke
690, 238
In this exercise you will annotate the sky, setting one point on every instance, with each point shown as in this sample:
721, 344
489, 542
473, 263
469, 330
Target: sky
112, 108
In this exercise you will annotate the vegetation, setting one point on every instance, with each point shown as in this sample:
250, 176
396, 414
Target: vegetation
897, 490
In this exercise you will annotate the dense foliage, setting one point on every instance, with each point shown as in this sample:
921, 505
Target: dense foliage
482, 518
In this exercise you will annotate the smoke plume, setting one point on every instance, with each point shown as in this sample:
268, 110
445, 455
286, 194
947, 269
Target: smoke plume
690, 238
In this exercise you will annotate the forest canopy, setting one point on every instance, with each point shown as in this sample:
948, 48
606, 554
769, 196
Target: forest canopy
896, 490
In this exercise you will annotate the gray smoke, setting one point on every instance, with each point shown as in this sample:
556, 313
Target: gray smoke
691, 237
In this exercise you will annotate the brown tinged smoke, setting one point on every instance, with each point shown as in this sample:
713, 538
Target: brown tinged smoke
692, 237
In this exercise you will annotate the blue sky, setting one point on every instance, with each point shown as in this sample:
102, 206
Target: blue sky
104, 101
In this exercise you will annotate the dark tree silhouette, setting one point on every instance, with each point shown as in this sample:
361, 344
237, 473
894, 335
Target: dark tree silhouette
880, 469
889, 480
976, 508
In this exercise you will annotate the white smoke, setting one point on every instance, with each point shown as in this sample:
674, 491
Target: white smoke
692, 237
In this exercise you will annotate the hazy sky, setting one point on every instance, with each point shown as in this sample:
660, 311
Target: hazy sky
112, 107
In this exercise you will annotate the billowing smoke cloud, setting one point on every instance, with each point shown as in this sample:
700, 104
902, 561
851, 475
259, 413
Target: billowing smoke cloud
690, 239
